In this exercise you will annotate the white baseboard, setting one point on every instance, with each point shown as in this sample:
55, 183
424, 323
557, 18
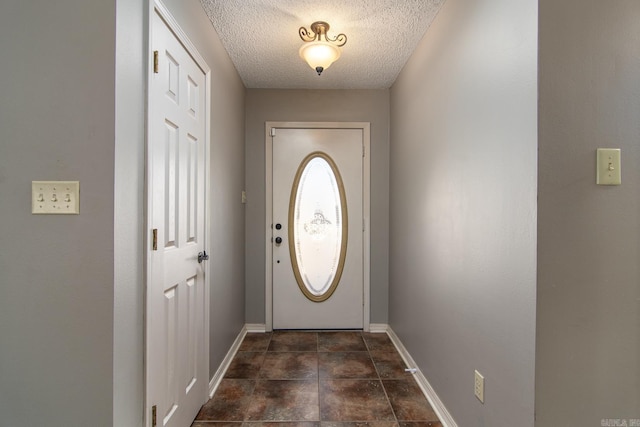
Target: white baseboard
256, 327
222, 369
445, 417
378, 328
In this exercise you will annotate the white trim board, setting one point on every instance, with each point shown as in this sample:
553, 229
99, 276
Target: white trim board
256, 327
378, 328
441, 411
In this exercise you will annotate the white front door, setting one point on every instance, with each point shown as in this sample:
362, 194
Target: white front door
317, 253
176, 365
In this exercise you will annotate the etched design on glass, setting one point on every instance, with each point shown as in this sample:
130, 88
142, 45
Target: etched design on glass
317, 227
317, 219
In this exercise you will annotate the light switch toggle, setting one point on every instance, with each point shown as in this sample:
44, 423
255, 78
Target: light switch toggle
608, 166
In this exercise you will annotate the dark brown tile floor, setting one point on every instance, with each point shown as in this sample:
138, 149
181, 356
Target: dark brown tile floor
317, 379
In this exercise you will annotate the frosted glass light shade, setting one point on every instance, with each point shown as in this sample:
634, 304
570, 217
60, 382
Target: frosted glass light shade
319, 54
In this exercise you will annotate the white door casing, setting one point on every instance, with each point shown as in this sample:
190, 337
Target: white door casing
347, 146
176, 314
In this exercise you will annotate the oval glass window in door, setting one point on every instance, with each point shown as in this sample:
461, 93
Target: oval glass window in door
318, 226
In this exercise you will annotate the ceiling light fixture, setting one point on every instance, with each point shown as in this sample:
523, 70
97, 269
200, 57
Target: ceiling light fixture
320, 51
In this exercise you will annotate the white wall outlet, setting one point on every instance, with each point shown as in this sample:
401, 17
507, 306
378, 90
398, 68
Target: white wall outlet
608, 170
478, 388
55, 197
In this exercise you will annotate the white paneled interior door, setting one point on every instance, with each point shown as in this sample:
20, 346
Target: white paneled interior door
176, 364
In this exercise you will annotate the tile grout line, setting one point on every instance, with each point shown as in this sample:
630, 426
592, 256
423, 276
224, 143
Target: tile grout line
255, 385
266, 350
386, 395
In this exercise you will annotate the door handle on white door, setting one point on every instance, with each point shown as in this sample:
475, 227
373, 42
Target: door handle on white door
203, 256
278, 240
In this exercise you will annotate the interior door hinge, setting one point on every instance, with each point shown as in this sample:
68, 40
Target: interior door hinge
155, 62
273, 131
154, 244
154, 419
363, 151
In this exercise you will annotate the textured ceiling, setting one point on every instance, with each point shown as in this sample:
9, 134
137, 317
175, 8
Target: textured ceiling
262, 39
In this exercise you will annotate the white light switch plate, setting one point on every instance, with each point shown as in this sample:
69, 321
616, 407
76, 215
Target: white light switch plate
608, 167
478, 387
55, 197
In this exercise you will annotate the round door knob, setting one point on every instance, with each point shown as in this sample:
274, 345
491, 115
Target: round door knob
278, 240
278, 226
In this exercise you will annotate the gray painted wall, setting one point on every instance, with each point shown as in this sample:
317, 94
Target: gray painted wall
57, 272
463, 208
316, 105
588, 329
71, 316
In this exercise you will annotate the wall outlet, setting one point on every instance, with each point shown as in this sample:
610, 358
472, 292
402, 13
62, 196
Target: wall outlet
478, 387
55, 197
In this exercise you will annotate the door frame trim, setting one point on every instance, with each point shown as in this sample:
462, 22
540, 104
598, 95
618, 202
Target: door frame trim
366, 209
156, 6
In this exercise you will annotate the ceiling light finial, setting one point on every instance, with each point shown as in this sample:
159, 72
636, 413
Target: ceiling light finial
319, 50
